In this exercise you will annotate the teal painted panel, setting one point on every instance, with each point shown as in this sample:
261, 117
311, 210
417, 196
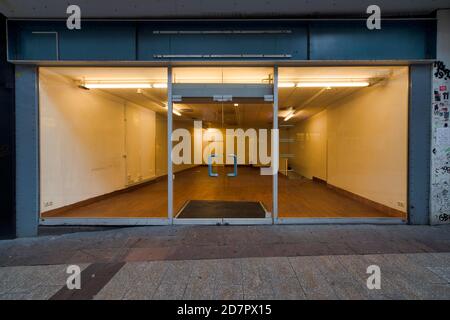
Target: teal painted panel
397, 40
211, 40
33, 41
99, 41
218, 41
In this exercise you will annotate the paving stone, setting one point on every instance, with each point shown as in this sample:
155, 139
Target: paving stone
98, 255
229, 271
13, 296
25, 279
170, 291
209, 242
42, 292
427, 285
122, 282
149, 254
201, 283
255, 283
443, 273
312, 281
358, 265
225, 291
344, 283
393, 280
234, 262
427, 259
147, 280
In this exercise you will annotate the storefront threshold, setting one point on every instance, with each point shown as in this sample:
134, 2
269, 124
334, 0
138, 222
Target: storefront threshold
340, 221
104, 222
161, 222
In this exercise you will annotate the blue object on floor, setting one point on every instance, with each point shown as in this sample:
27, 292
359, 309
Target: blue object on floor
210, 170
234, 173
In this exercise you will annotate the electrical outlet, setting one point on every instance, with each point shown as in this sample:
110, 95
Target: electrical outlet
401, 204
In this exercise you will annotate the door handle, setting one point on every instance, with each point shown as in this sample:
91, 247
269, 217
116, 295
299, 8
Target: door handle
234, 173
210, 170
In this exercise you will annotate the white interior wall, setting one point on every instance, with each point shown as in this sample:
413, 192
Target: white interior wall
87, 148
310, 151
161, 144
139, 143
368, 142
359, 143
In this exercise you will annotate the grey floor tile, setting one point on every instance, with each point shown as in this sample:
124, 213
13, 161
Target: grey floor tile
201, 283
392, 278
357, 265
170, 291
255, 281
284, 281
343, 281
225, 291
25, 279
229, 271
311, 279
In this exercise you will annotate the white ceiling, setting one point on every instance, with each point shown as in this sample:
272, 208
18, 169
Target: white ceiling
248, 114
214, 8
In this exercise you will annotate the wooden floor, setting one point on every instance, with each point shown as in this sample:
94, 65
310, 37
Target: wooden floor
297, 197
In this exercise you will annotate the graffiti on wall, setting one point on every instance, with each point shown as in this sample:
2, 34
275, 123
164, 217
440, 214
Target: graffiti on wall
440, 161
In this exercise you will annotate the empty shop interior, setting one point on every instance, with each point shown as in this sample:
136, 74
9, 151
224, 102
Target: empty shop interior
343, 137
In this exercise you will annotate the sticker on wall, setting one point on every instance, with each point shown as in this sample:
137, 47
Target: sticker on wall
440, 71
437, 96
440, 156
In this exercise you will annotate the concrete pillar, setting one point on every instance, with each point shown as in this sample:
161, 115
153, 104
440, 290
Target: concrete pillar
27, 151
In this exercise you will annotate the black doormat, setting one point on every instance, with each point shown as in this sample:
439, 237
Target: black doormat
222, 209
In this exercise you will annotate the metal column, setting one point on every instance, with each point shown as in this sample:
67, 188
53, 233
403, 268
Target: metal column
169, 146
419, 148
275, 149
27, 151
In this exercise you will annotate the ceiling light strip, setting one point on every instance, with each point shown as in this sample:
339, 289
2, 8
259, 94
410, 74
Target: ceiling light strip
222, 31
322, 84
123, 85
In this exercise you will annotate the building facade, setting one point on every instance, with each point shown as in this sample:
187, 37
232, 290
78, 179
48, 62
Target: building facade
418, 43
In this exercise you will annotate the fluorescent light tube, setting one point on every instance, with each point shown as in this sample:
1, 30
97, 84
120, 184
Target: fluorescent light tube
333, 84
159, 85
286, 85
105, 85
289, 116
176, 112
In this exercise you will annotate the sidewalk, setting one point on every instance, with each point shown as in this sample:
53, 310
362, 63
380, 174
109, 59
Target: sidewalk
231, 262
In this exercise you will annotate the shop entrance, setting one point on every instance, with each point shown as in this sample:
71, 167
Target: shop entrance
228, 121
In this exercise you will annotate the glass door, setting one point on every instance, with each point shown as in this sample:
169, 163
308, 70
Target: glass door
221, 143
